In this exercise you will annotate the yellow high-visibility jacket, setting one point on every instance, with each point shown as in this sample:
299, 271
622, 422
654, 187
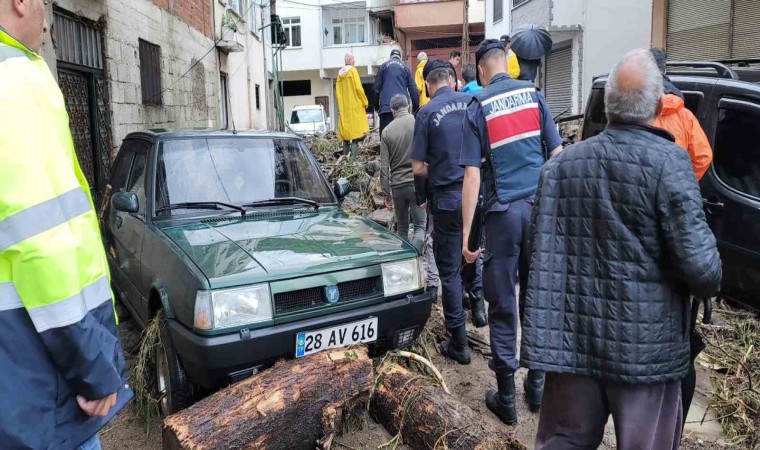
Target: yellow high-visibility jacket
352, 105
57, 325
419, 80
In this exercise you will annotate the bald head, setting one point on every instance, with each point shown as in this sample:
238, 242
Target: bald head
422, 56
349, 59
634, 89
25, 21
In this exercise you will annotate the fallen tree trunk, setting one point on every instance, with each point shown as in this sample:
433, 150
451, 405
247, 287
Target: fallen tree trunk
294, 405
426, 417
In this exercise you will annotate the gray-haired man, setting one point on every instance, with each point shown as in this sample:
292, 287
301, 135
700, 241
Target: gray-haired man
615, 254
396, 170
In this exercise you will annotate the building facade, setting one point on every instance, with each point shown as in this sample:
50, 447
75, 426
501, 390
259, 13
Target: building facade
589, 37
129, 65
317, 38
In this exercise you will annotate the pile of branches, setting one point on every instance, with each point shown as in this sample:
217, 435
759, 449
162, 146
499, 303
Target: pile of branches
733, 349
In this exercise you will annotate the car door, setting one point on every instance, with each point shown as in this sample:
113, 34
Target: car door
731, 189
128, 229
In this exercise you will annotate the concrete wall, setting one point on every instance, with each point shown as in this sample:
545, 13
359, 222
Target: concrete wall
611, 28
502, 27
319, 88
190, 101
534, 11
308, 56
567, 12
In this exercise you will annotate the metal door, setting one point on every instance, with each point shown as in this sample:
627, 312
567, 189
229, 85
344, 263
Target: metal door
76, 92
558, 85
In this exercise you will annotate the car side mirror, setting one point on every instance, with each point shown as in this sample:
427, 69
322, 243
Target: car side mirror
341, 188
125, 202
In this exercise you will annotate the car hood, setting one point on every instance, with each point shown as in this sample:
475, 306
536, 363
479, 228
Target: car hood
306, 127
267, 246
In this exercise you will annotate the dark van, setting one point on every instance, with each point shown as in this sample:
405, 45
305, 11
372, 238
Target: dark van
725, 97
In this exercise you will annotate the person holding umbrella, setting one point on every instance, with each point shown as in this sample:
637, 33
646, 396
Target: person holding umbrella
513, 66
530, 43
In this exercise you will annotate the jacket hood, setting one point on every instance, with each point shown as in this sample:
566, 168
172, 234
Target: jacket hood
344, 70
421, 64
671, 104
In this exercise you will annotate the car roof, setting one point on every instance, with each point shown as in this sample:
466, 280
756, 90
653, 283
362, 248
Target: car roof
308, 107
165, 134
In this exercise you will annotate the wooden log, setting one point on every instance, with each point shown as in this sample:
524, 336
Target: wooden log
426, 417
294, 405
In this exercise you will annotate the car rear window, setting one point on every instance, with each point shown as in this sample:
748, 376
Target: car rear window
596, 117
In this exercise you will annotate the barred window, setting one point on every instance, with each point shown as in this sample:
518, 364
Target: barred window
498, 10
150, 73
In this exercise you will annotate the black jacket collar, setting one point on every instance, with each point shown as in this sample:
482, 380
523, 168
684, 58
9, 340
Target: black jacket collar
646, 128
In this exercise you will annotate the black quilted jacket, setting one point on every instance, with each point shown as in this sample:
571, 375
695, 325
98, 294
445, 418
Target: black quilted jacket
618, 241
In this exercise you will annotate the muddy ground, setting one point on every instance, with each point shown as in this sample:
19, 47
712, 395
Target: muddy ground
468, 383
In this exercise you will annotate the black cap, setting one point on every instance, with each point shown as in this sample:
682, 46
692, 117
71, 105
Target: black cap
435, 64
486, 46
395, 52
505, 39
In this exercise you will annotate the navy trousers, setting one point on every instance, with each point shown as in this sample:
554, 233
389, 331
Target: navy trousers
505, 257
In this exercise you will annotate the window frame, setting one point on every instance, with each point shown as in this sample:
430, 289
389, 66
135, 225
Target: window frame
141, 202
519, 3
149, 56
238, 7
348, 21
501, 11
735, 105
287, 27
254, 19
257, 92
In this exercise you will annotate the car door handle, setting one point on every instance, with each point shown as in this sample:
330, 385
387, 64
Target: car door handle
119, 221
712, 203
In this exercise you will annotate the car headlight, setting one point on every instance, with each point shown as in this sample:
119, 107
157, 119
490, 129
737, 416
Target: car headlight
229, 308
400, 277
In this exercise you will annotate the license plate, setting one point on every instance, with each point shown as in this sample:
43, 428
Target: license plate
308, 342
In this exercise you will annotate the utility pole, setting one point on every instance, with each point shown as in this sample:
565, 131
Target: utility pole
466, 34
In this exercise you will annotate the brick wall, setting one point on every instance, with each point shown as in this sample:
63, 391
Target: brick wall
196, 13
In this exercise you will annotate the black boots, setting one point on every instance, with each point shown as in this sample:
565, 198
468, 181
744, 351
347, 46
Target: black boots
502, 402
478, 307
534, 389
456, 347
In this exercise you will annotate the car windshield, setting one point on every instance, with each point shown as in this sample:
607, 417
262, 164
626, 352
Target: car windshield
306, 116
236, 171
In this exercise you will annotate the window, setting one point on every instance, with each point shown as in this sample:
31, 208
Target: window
292, 28
238, 6
254, 18
150, 73
692, 100
345, 25
293, 88
136, 184
498, 10
225, 99
516, 3
737, 149
258, 97
121, 170
236, 170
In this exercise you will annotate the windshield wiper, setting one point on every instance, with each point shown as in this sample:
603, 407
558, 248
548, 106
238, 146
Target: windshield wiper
201, 205
282, 201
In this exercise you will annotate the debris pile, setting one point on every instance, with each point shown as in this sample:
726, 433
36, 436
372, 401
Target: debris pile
570, 131
733, 355
365, 197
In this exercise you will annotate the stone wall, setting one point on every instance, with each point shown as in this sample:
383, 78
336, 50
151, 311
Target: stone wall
190, 81
533, 11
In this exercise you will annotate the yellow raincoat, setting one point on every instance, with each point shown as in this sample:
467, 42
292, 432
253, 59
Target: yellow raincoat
352, 105
513, 67
419, 80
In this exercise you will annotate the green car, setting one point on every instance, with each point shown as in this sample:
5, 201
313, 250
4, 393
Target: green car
238, 238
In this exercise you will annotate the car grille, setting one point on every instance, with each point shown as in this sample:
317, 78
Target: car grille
304, 299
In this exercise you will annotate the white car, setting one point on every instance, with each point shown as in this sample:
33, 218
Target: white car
309, 120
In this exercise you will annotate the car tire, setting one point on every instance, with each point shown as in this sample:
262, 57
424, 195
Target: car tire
174, 390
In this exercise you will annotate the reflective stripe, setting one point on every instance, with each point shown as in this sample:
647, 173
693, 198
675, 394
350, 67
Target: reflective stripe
7, 52
42, 217
73, 309
490, 100
9, 298
515, 138
498, 113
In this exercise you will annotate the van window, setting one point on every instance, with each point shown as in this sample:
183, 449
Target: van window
737, 149
692, 101
596, 117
